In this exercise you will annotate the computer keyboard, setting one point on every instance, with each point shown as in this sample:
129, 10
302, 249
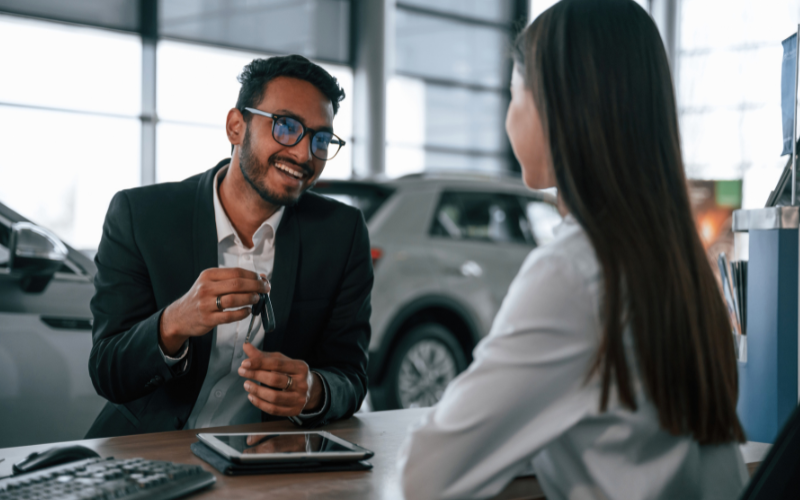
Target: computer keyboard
97, 478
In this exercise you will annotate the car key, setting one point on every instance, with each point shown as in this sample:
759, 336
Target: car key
262, 308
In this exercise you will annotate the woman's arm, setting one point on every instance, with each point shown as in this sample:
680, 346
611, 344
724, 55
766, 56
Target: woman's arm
525, 387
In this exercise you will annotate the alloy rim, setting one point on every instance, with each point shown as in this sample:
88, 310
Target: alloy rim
425, 371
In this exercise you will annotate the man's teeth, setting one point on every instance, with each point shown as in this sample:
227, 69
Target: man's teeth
289, 171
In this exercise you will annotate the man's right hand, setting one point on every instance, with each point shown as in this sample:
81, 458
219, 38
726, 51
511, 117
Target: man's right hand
196, 313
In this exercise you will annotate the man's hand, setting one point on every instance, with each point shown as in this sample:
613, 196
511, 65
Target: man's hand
196, 313
273, 370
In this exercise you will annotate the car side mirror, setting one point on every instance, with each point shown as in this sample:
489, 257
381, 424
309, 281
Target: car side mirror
35, 255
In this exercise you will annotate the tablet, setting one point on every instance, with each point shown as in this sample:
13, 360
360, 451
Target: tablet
273, 447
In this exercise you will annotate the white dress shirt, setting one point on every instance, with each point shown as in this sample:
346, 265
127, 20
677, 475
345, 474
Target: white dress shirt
524, 406
222, 400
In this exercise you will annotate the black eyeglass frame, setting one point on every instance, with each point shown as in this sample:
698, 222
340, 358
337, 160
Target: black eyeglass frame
306, 131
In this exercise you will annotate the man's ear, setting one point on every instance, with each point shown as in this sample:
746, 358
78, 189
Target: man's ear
235, 127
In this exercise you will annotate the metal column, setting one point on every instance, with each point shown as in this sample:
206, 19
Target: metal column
373, 54
149, 29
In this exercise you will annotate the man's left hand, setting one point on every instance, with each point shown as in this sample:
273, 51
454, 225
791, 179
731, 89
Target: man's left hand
274, 370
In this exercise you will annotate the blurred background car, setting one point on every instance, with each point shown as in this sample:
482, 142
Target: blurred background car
445, 248
45, 337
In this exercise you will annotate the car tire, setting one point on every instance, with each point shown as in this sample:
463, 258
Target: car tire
427, 358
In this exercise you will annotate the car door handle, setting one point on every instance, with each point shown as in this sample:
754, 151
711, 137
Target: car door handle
471, 269
67, 323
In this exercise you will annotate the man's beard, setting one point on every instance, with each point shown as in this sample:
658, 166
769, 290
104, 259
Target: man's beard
255, 173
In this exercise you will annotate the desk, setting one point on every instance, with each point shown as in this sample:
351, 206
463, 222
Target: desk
381, 432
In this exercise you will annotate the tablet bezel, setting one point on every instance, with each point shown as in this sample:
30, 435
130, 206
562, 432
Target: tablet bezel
357, 453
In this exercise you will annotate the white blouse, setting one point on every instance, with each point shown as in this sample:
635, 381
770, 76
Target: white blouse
524, 405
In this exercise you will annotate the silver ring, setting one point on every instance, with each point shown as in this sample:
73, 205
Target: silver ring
219, 304
288, 383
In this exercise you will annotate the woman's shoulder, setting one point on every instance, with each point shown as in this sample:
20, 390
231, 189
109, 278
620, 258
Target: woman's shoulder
557, 290
571, 252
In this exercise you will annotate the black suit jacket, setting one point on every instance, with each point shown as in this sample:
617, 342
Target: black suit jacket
156, 241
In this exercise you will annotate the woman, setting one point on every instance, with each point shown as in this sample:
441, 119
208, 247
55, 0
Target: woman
610, 367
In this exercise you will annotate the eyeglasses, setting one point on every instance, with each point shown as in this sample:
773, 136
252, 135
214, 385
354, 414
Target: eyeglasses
289, 131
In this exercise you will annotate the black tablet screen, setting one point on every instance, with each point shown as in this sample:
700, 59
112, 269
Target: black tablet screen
282, 443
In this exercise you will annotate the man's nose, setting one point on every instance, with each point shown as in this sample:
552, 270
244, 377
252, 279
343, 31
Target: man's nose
302, 150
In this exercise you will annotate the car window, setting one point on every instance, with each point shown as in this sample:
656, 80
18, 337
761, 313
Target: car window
543, 218
481, 216
365, 197
5, 234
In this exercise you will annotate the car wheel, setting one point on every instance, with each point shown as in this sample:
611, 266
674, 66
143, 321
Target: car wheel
426, 360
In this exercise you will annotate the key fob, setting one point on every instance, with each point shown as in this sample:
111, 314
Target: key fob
267, 314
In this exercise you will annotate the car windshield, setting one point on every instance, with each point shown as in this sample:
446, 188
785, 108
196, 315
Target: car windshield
366, 197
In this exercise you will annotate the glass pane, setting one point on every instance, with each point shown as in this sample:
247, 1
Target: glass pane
314, 28
80, 162
403, 160
726, 78
729, 68
432, 47
184, 150
55, 65
118, 14
706, 25
406, 110
499, 11
465, 119
420, 114
197, 84
341, 166
539, 6
483, 217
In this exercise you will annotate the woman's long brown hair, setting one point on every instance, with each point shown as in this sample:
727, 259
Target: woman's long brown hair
600, 79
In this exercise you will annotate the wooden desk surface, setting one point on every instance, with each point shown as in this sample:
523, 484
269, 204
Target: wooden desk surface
381, 432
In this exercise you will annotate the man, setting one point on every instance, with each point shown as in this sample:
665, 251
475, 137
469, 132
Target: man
181, 264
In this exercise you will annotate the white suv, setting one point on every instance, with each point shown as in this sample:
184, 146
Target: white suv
46, 394
445, 249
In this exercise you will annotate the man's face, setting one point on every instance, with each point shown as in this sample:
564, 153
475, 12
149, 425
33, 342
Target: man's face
264, 162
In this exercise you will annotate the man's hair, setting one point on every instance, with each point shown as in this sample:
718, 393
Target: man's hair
260, 72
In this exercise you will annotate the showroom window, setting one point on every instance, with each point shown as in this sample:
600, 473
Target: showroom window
69, 123
447, 99
73, 118
729, 70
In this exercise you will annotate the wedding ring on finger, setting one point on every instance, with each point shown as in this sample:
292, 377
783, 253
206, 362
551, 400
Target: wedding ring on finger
219, 304
288, 383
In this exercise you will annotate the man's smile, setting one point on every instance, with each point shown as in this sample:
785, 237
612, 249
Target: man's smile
287, 168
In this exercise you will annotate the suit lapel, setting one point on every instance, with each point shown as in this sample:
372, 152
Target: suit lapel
284, 275
204, 256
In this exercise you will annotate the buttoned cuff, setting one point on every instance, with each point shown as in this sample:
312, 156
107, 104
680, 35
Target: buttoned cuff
303, 417
171, 361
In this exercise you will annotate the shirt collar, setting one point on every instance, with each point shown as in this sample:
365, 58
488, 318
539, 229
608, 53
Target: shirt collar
567, 223
226, 230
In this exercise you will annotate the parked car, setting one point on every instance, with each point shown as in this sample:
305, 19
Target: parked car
445, 249
45, 336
